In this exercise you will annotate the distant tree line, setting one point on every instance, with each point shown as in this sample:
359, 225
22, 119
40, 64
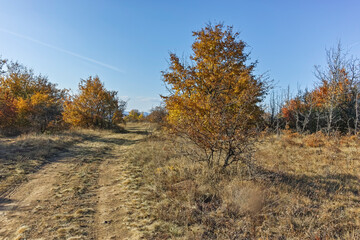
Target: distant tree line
157, 115
332, 106
203, 98
30, 103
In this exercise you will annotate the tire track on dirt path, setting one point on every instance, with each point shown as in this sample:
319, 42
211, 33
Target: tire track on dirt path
90, 191
27, 198
121, 212
58, 201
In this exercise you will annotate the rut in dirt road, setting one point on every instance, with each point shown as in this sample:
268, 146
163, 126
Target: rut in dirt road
90, 192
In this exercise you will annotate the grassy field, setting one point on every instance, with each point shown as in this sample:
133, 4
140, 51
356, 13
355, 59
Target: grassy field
25, 154
139, 185
302, 187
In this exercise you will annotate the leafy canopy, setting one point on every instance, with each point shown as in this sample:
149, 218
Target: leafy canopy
28, 102
94, 106
214, 99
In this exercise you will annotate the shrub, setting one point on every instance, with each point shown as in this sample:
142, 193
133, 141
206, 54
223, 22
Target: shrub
315, 140
94, 106
134, 116
28, 102
157, 115
214, 101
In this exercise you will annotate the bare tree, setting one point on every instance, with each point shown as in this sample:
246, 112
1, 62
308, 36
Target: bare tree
332, 76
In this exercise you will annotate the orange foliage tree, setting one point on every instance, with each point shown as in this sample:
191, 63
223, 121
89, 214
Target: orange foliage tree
93, 106
334, 103
214, 100
157, 115
7, 110
134, 116
298, 112
28, 102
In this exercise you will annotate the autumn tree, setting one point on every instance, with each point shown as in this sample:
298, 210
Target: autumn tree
299, 111
28, 102
7, 104
94, 106
333, 105
134, 116
214, 99
7, 111
157, 115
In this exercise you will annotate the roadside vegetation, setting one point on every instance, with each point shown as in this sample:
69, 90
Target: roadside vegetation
227, 169
302, 187
213, 161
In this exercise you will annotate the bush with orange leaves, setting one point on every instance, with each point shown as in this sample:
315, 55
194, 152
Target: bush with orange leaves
28, 102
290, 138
157, 115
94, 106
334, 105
214, 101
317, 139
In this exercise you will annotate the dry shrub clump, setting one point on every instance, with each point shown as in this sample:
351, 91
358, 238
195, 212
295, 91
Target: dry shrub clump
294, 193
349, 140
315, 140
289, 138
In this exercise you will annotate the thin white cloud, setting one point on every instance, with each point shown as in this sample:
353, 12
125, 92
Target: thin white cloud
142, 103
148, 99
63, 50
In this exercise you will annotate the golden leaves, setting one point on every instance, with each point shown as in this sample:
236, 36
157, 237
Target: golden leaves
27, 101
94, 106
215, 97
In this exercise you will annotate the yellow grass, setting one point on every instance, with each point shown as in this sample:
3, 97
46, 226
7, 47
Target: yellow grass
27, 153
296, 190
300, 187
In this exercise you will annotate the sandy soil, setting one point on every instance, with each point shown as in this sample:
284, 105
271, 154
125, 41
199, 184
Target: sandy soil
86, 192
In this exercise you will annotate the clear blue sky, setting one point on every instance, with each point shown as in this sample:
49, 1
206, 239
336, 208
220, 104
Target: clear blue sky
127, 43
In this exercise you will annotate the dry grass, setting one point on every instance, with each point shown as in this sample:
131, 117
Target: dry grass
61, 199
25, 154
300, 190
302, 187
69, 209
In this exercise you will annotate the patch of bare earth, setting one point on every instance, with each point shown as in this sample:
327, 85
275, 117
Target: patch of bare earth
122, 212
88, 192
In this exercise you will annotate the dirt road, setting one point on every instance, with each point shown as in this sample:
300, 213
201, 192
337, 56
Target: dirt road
89, 191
